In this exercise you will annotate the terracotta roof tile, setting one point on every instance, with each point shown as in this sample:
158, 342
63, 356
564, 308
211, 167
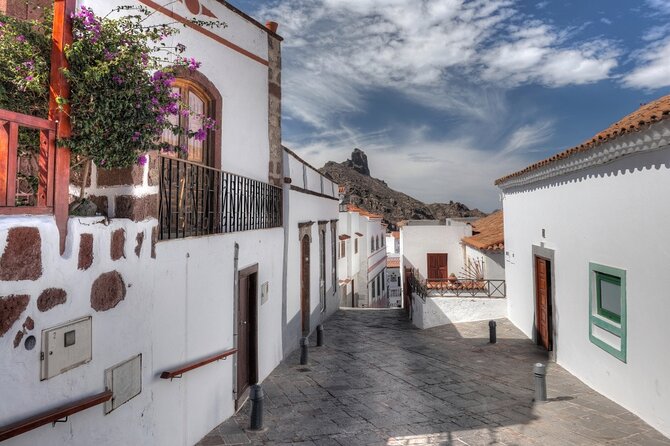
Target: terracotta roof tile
363, 212
396, 234
488, 233
647, 114
393, 262
344, 237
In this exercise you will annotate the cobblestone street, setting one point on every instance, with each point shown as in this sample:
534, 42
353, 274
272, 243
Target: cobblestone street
379, 381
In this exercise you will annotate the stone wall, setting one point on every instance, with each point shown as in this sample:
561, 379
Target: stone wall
24, 9
275, 176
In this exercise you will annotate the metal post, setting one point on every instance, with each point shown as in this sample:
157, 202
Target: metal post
540, 372
256, 395
304, 344
319, 336
492, 332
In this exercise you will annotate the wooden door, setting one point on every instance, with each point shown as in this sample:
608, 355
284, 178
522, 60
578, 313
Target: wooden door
304, 284
247, 373
543, 302
437, 266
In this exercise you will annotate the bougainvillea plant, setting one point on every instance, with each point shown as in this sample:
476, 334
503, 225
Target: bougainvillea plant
120, 74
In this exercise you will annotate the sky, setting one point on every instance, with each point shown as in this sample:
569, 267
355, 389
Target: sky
445, 96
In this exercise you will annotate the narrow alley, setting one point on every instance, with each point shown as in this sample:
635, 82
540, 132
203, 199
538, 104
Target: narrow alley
379, 381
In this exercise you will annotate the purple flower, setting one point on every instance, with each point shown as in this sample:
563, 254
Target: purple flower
200, 135
142, 160
28, 78
136, 136
21, 38
117, 79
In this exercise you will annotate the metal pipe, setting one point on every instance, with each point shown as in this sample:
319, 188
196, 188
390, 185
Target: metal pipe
492, 332
304, 344
256, 395
540, 372
319, 336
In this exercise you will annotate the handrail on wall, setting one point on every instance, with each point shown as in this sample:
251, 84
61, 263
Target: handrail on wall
53, 415
169, 374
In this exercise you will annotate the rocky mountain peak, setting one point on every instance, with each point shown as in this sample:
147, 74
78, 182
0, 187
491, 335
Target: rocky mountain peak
358, 162
375, 196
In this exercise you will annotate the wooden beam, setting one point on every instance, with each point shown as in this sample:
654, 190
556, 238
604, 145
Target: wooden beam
61, 37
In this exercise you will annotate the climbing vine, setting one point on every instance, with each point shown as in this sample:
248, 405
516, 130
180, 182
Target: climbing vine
120, 74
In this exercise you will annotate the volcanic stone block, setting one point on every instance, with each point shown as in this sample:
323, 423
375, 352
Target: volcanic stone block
50, 298
107, 291
18, 338
139, 240
85, 251
137, 208
118, 244
11, 308
22, 259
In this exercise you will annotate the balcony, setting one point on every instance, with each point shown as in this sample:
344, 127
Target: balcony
197, 200
456, 287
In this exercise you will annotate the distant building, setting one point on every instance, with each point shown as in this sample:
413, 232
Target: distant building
586, 257
362, 259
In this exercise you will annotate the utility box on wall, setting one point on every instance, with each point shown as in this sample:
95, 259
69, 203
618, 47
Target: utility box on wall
125, 380
65, 347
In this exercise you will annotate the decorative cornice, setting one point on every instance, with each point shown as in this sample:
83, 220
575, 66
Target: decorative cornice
655, 137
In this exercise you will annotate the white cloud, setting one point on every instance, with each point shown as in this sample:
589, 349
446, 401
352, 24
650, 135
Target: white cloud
336, 51
428, 169
653, 70
662, 6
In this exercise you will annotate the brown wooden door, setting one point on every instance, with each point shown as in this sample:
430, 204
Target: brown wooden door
246, 333
304, 284
543, 302
437, 266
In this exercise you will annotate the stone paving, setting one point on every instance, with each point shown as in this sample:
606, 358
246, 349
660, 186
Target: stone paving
379, 381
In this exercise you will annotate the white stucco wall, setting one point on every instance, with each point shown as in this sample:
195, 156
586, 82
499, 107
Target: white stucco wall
436, 311
241, 81
302, 207
609, 214
417, 240
178, 308
493, 261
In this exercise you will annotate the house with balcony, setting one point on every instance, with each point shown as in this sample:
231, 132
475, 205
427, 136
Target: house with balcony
147, 323
450, 270
362, 259
585, 254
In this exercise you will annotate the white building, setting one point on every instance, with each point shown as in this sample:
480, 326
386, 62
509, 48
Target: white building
585, 257
311, 203
362, 259
158, 288
393, 276
433, 248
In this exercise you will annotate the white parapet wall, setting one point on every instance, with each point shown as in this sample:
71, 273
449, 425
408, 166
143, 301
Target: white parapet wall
436, 311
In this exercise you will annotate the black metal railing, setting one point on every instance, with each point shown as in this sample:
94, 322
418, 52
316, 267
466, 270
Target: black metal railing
455, 287
197, 200
465, 287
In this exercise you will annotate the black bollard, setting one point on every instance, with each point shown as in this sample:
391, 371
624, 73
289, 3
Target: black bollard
492, 332
319, 336
256, 395
304, 344
540, 372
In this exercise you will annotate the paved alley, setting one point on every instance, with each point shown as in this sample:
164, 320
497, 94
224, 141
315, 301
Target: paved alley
379, 381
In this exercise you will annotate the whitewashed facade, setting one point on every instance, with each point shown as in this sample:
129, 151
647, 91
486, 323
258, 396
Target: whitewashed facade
594, 217
311, 203
362, 259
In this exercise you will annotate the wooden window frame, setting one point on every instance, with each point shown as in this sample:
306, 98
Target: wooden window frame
214, 105
602, 319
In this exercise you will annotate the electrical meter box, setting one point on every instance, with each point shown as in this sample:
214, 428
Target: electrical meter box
65, 347
125, 380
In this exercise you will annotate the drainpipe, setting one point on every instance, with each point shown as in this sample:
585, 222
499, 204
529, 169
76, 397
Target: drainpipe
236, 296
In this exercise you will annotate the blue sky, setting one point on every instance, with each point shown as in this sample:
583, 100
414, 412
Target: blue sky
445, 96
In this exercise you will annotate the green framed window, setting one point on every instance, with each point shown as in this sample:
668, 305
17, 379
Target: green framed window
607, 308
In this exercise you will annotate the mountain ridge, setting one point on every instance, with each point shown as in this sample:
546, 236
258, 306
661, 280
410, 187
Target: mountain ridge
375, 196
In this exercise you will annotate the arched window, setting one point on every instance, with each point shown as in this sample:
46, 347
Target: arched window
201, 104
372, 244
